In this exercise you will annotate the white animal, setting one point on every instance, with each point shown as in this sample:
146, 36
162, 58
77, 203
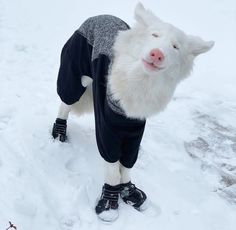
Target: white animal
150, 59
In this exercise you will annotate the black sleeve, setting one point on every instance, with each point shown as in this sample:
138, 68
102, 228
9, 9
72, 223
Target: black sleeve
75, 62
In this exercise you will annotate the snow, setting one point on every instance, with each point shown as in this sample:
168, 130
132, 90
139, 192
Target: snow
187, 165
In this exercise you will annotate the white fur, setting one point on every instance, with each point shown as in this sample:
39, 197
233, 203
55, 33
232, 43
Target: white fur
141, 92
112, 173
86, 81
116, 173
125, 175
64, 111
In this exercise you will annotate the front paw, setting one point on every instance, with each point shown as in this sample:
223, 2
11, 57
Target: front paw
59, 130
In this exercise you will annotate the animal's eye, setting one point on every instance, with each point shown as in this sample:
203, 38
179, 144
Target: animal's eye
175, 46
155, 35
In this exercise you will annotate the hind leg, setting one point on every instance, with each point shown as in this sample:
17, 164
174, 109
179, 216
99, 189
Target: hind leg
60, 125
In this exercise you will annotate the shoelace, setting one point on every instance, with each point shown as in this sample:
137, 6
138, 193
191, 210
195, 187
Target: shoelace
109, 194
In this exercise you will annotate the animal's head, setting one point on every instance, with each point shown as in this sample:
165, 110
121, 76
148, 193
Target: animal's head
160, 47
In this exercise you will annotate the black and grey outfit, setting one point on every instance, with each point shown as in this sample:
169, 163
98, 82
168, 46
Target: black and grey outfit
89, 52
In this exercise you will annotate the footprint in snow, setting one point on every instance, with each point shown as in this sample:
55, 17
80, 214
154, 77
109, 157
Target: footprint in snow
76, 165
70, 223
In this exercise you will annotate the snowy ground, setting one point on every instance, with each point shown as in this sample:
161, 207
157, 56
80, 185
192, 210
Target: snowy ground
187, 165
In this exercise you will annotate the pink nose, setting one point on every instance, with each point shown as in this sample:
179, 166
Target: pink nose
156, 56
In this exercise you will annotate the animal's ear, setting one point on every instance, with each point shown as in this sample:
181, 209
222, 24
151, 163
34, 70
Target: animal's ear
139, 12
198, 46
143, 16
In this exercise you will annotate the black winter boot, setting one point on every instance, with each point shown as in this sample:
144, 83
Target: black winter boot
107, 206
59, 129
133, 196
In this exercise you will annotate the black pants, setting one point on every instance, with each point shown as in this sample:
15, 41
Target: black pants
119, 138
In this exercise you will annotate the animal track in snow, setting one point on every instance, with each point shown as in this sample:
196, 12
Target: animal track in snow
76, 165
215, 141
215, 147
70, 223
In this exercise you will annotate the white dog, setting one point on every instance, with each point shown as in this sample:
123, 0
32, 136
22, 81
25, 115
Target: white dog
127, 75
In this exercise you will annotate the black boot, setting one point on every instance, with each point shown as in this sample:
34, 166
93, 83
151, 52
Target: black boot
107, 207
59, 129
133, 196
